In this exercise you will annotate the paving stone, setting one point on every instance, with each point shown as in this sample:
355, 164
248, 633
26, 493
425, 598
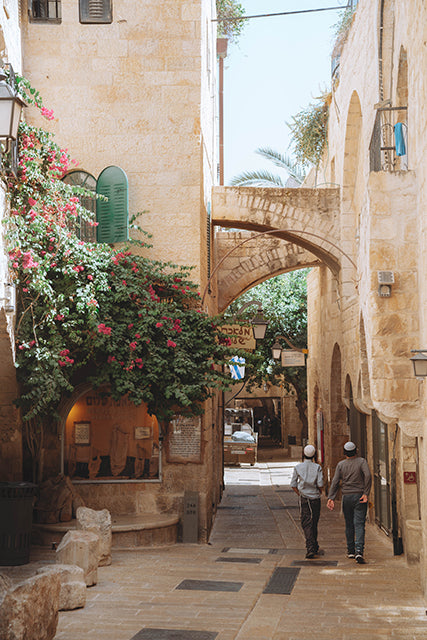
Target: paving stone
138, 590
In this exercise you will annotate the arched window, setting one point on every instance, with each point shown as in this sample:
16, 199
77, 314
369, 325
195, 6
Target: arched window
83, 179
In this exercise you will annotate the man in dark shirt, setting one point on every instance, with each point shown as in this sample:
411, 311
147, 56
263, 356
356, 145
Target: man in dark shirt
355, 478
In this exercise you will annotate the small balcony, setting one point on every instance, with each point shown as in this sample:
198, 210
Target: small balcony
389, 143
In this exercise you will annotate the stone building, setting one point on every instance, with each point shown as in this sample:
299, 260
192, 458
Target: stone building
133, 89
365, 320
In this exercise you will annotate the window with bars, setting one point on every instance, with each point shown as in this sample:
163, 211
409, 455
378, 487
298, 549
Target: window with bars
112, 210
44, 10
78, 178
96, 11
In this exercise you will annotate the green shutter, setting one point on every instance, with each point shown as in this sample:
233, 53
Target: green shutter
112, 215
96, 11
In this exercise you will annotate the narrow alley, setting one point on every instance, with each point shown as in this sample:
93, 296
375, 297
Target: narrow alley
252, 582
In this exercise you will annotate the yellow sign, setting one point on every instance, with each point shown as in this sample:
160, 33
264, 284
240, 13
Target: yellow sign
241, 337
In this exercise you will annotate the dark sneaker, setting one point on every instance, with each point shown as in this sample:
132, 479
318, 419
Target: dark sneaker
351, 555
310, 554
360, 559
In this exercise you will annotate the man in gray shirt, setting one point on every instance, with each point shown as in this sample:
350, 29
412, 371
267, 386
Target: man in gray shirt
307, 482
355, 478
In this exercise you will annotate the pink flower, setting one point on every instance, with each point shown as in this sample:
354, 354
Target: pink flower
32, 202
111, 359
47, 113
132, 346
171, 343
64, 352
59, 317
130, 325
159, 324
27, 261
137, 335
105, 330
62, 363
90, 277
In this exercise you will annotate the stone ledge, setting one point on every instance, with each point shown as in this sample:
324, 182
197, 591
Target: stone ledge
128, 531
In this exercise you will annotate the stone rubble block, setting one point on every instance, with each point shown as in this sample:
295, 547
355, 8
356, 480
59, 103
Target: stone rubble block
73, 585
83, 549
29, 610
98, 522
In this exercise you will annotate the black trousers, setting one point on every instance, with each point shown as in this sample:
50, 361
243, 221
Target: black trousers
310, 514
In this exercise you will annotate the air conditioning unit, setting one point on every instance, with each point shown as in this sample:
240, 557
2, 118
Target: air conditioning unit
385, 277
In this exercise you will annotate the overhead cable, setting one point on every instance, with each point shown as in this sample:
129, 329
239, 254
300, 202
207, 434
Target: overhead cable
285, 13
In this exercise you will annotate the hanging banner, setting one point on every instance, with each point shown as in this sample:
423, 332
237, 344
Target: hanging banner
237, 368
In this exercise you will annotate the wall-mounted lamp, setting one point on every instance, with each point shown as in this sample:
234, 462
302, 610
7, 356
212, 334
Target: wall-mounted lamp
8, 298
258, 322
419, 361
385, 280
11, 105
276, 349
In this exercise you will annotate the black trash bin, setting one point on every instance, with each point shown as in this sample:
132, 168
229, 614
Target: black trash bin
16, 517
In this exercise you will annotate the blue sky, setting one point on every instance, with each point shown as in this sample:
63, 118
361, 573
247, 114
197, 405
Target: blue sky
278, 66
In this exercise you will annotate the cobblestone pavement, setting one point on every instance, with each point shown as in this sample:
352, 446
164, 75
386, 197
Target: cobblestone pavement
218, 590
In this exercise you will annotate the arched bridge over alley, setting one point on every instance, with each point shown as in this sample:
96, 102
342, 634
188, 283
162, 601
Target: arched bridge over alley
299, 229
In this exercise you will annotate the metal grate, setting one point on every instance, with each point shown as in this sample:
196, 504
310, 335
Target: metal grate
174, 634
317, 563
209, 585
282, 581
246, 560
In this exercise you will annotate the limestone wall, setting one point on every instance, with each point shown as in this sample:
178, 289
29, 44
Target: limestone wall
383, 225
137, 93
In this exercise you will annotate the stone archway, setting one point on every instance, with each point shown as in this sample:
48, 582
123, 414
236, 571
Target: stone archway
296, 228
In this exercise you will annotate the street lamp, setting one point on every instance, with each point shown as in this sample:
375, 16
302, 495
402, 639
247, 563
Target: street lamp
10, 109
258, 322
276, 349
419, 360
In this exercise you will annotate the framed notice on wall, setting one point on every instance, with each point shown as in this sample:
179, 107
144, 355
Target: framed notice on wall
82, 433
185, 439
141, 433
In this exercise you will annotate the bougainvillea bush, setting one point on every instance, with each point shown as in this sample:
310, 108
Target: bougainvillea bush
90, 312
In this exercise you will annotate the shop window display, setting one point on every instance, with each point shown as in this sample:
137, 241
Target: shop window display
108, 439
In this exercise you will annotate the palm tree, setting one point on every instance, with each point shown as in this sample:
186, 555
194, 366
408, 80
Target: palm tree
263, 178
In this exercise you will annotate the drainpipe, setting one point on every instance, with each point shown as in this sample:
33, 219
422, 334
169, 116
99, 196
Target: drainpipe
397, 540
221, 50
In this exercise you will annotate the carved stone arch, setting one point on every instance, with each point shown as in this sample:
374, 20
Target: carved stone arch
64, 409
352, 192
3, 53
337, 434
254, 262
386, 12
364, 386
402, 86
348, 391
304, 217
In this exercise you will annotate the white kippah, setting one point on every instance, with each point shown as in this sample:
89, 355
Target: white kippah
349, 446
309, 451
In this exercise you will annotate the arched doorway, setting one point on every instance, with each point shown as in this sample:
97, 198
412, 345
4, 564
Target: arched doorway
109, 440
